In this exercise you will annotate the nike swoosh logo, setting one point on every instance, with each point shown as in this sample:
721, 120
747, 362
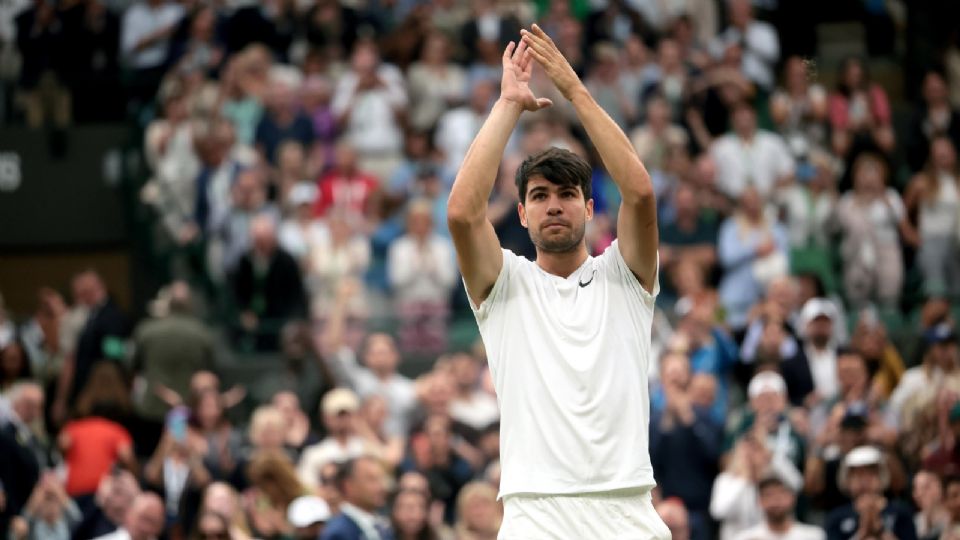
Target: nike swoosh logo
582, 284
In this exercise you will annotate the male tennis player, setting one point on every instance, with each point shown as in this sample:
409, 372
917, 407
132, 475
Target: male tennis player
567, 336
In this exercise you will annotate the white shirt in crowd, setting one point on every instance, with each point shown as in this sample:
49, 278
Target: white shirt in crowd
797, 531
761, 50
422, 273
372, 128
398, 390
735, 500
141, 20
456, 129
478, 411
569, 359
759, 162
326, 451
823, 368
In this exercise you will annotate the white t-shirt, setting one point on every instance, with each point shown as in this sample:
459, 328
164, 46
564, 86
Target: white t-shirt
569, 359
799, 531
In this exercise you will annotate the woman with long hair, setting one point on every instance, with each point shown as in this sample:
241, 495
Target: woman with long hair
210, 431
14, 364
933, 202
479, 513
410, 517
860, 113
274, 485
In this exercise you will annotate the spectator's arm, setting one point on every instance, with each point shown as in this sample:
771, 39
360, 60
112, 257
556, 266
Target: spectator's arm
762, 40
731, 250
403, 264
813, 481
729, 493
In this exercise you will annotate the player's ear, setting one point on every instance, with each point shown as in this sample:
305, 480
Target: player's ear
522, 212
589, 209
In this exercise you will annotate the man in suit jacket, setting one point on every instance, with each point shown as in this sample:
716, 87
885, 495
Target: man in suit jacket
362, 483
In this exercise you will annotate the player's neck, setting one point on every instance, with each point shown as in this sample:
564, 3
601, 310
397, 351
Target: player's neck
562, 264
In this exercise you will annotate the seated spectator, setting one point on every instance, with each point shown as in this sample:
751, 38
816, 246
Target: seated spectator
410, 517
767, 420
883, 360
690, 236
282, 119
308, 515
480, 514
213, 525
177, 470
298, 433
368, 101
372, 427
808, 206
778, 501
422, 270
230, 237
273, 487
221, 499
752, 250
342, 443
146, 29
432, 453
935, 116
870, 219
21, 417
318, 106
654, 139
346, 187
106, 514
301, 233
603, 82
860, 114
92, 443
50, 514
268, 286
816, 328
243, 86
933, 197
941, 455
363, 485
289, 171
757, 40
684, 445
751, 157
771, 342
457, 127
864, 476
472, 405
338, 266
932, 515
143, 521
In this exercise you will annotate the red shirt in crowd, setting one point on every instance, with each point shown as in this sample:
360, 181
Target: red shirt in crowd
350, 192
92, 448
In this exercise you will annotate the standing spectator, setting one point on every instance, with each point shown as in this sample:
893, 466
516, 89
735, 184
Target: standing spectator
14, 365
669, 77
435, 83
423, 272
816, 327
935, 117
767, 420
282, 120
243, 86
778, 500
177, 471
799, 108
94, 442
488, 28
368, 101
144, 520
871, 218
752, 250
21, 417
751, 157
102, 333
658, 135
298, 434
690, 237
339, 265
933, 196
860, 115
50, 514
339, 409
932, 515
231, 235
808, 206
45, 98
410, 514
145, 36
301, 233
864, 476
169, 350
115, 493
345, 187
603, 82
684, 445
218, 443
758, 41
268, 286
363, 486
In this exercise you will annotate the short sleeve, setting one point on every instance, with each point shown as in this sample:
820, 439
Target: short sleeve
626, 275
497, 293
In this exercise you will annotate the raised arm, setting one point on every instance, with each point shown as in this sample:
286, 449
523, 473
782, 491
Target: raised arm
478, 249
637, 220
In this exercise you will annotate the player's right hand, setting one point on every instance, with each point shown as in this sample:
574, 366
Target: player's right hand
515, 85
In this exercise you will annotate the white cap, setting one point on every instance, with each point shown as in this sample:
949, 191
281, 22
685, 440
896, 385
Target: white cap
306, 510
863, 456
817, 307
339, 400
766, 381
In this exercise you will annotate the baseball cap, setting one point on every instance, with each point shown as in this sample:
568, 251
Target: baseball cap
766, 381
306, 510
941, 333
815, 308
863, 456
340, 400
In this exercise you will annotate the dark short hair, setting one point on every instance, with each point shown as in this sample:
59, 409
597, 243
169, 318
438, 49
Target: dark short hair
558, 166
771, 480
949, 480
347, 469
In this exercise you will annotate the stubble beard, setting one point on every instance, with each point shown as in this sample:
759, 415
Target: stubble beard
564, 243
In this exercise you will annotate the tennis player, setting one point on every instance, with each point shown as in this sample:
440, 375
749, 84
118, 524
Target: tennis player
567, 336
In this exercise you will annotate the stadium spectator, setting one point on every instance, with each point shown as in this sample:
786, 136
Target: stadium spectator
433, 453
748, 156
436, 84
863, 474
480, 512
340, 414
935, 117
860, 115
410, 518
231, 236
177, 471
952, 499
115, 494
816, 327
221, 499
283, 120
457, 127
932, 515
21, 417
933, 197
39, 34
273, 488
49, 515
757, 40
658, 135
143, 521
146, 29
363, 486
472, 406
218, 443
778, 501
798, 108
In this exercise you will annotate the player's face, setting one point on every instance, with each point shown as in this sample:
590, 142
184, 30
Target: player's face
556, 216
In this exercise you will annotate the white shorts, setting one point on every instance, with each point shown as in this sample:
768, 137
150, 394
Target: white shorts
610, 515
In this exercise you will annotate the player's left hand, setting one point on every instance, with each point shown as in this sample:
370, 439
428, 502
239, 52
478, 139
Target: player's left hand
546, 53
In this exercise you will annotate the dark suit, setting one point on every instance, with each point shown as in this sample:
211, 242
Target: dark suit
342, 527
274, 294
105, 322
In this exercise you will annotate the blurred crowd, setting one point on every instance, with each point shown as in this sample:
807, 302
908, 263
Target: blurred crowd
806, 381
